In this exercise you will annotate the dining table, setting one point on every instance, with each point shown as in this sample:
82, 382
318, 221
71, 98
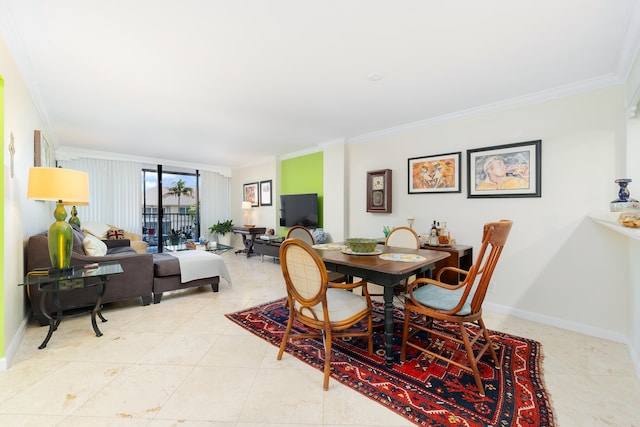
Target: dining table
386, 266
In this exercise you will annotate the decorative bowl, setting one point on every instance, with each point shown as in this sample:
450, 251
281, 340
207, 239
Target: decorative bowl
362, 245
630, 219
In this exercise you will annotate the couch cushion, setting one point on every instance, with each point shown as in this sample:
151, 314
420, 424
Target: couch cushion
119, 250
94, 246
115, 234
98, 229
78, 237
165, 265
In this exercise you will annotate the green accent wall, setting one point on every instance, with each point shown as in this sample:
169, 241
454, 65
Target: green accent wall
302, 175
2, 284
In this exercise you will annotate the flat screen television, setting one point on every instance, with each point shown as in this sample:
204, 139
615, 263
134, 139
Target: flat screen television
299, 209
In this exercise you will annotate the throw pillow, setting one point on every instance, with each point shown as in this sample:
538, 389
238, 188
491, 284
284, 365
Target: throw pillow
94, 246
98, 229
115, 234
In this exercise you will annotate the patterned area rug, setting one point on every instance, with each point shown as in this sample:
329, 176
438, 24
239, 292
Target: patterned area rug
426, 392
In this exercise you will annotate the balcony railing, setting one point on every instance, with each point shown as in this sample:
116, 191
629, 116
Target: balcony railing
181, 222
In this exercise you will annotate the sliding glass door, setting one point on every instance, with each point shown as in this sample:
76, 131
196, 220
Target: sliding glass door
171, 208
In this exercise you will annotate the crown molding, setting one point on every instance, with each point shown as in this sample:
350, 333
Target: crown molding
535, 98
71, 153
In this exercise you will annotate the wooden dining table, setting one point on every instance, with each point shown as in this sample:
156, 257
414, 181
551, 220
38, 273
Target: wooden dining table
384, 272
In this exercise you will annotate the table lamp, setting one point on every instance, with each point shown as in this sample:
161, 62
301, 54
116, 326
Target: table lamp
246, 206
65, 187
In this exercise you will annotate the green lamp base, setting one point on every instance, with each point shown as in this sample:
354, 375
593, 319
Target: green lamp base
60, 240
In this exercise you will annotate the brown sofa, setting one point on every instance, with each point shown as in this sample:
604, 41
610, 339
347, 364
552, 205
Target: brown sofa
135, 282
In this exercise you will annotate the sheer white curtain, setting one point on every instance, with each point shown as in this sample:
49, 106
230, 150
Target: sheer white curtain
214, 200
115, 191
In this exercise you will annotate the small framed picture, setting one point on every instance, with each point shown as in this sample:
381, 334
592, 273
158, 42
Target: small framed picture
265, 193
511, 170
435, 174
250, 193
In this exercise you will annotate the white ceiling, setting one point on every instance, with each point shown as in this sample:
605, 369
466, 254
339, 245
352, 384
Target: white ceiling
229, 83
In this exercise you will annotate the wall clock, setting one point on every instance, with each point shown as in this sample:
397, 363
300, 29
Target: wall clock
379, 191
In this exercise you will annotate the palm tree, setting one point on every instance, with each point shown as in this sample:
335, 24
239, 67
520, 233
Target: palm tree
179, 189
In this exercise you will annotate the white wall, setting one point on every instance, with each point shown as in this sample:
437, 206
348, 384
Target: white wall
22, 217
558, 266
262, 216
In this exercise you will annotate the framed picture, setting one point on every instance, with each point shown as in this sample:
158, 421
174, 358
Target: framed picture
511, 170
265, 193
435, 174
41, 150
250, 193
379, 191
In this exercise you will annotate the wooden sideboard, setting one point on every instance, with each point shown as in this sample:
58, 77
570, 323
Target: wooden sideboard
461, 256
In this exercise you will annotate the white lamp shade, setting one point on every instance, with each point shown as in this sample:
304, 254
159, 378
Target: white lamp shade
246, 205
55, 184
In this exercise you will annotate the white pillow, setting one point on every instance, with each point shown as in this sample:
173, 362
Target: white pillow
98, 229
94, 246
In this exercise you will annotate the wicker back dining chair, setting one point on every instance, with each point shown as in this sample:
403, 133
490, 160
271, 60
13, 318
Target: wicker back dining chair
333, 309
302, 233
429, 299
402, 237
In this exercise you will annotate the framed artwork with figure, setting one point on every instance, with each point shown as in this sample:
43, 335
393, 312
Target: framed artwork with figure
511, 170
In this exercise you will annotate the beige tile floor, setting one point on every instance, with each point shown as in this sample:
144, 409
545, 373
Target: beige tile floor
182, 363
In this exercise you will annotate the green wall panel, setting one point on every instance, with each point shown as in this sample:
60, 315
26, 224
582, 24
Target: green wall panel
302, 175
2, 284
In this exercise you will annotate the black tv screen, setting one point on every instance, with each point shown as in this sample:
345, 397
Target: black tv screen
299, 209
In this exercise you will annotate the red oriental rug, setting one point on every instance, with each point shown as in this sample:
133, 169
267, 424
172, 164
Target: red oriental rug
425, 392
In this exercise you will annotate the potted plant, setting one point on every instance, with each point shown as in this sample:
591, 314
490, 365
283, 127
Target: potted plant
174, 236
222, 228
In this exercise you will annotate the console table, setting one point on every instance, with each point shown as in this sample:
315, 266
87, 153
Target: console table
90, 276
269, 247
248, 237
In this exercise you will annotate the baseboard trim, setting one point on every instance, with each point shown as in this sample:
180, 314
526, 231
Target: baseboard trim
571, 326
12, 349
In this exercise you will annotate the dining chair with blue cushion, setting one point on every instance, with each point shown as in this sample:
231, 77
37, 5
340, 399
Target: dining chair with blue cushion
430, 299
332, 309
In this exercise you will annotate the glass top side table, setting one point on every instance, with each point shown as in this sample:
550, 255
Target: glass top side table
50, 282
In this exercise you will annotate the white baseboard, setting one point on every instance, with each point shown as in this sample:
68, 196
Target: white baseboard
12, 349
571, 326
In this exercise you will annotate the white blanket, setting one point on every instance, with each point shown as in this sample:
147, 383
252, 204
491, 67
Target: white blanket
200, 265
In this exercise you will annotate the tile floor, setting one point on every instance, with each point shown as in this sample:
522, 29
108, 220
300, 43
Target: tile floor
182, 363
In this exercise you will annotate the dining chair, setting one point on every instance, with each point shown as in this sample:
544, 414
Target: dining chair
403, 237
430, 299
333, 309
302, 233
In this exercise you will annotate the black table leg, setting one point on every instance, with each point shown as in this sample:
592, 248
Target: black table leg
97, 309
388, 325
53, 323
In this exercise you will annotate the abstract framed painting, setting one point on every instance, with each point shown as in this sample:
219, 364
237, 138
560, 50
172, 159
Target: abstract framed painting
250, 193
265, 193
